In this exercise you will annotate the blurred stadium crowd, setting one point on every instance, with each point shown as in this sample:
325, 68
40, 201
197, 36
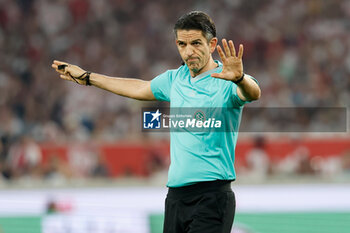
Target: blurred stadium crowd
299, 51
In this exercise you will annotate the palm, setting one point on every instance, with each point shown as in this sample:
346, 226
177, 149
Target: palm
232, 65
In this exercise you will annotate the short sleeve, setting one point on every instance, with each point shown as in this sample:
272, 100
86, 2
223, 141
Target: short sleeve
161, 86
236, 99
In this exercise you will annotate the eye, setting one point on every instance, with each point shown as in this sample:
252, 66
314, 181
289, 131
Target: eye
180, 43
196, 43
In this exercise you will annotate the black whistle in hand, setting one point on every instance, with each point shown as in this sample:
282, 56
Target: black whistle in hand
61, 67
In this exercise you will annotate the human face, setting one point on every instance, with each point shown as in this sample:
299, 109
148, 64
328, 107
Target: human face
195, 50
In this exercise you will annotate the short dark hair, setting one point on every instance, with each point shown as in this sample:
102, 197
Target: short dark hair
196, 20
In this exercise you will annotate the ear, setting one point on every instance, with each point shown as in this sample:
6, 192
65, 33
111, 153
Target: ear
212, 44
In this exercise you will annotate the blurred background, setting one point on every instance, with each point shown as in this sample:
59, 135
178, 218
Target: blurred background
74, 159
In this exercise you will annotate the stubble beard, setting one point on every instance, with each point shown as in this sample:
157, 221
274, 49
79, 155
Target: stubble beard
194, 67
195, 70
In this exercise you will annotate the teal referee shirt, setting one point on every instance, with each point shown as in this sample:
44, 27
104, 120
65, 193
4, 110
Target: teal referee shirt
204, 156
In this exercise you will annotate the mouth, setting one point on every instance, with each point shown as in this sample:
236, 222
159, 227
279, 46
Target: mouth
191, 59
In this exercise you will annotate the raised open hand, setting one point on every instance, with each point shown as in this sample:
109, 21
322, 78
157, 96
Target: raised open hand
232, 65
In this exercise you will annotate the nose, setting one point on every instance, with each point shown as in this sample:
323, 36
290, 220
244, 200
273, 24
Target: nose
189, 51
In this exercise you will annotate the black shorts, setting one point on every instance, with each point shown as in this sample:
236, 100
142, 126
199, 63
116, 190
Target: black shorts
205, 207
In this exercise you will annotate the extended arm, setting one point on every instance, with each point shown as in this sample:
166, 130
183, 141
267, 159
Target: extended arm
132, 88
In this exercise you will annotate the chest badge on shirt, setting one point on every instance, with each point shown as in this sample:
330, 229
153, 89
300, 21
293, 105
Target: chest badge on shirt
199, 115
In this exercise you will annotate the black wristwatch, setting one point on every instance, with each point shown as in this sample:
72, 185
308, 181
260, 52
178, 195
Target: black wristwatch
87, 78
239, 80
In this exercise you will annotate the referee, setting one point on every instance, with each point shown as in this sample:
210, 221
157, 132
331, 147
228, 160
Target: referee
200, 198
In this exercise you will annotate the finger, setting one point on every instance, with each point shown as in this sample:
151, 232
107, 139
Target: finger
56, 69
226, 48
221, 53
232, 47
59, 62
55, 66
216, 75
240, 52
61, 66
66, 77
